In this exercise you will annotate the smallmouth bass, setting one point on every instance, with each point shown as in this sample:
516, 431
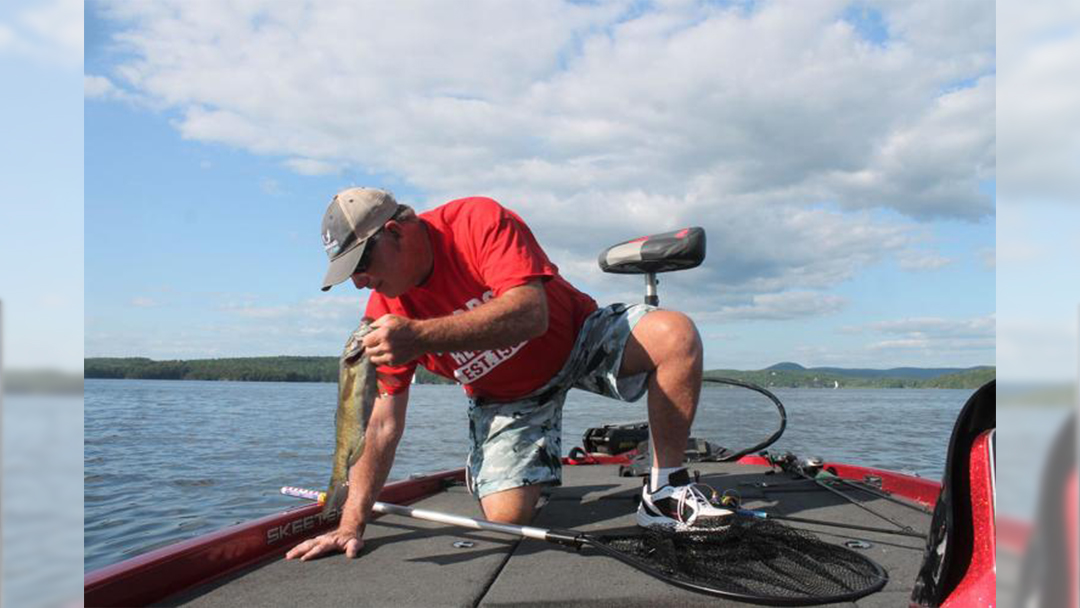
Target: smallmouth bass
357, 390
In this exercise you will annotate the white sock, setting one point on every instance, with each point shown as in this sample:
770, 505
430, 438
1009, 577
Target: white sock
659, 477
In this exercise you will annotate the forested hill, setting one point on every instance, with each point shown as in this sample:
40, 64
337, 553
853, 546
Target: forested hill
258, 369
787, 375
325, 369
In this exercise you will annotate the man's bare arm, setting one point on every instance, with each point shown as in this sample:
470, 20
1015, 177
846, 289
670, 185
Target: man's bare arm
366, 479
367, 476
517, 315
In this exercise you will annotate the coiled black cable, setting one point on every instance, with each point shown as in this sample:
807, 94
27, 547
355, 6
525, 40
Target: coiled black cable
779, 408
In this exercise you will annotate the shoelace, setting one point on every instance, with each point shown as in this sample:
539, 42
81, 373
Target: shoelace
692, 497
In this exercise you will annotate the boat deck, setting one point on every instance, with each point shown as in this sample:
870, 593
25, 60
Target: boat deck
408, 562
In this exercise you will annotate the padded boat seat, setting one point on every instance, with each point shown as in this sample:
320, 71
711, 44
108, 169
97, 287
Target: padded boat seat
665, 252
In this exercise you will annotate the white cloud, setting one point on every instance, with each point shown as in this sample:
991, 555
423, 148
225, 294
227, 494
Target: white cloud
7, 37
744, 120
103, 89
754, 248
308, 166
980, 327
252, 311
327, 308
779, 307
932, 167
271, 186
233, 324
97, 87
923, 261
332, 308
934, 337
573, 95
1031, 349
51, 32
60, 24
1038, 93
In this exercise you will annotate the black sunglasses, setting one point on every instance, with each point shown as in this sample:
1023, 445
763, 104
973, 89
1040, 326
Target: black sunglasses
365, 258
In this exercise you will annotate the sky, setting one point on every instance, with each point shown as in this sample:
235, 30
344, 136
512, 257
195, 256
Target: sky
1038, 126
41, 190
841, 157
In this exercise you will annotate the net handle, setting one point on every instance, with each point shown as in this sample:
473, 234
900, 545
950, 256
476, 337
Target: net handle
562, 537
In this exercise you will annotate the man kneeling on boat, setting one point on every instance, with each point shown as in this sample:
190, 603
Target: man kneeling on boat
466, 291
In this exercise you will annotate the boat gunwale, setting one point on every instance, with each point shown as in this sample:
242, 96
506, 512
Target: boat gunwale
162, 573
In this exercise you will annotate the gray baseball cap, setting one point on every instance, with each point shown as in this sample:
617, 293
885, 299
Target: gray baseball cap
353, 216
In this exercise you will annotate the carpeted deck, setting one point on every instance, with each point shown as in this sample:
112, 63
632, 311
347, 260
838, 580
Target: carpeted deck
413, 563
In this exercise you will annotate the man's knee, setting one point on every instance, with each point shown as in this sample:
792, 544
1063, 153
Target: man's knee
513, 506
667, 334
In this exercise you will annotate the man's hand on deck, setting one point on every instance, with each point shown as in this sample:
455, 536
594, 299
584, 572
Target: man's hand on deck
339, 540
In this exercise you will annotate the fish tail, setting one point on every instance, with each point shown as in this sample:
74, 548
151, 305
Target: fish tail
335, 497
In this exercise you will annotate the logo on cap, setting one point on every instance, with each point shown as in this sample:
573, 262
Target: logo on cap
329, 242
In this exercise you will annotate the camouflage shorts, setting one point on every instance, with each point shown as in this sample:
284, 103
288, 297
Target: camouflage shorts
519, 443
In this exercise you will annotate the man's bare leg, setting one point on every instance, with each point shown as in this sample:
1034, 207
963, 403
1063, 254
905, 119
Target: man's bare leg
513, 506
666, 345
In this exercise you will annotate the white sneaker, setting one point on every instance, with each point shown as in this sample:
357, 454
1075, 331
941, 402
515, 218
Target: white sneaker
680, 507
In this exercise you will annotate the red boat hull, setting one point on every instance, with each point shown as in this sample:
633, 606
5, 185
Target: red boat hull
164, 572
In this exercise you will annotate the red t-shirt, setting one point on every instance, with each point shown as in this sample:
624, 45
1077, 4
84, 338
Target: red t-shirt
481, 250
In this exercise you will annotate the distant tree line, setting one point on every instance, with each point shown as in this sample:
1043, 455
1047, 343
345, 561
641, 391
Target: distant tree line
242, 369
325, 369
968, 379
44, 382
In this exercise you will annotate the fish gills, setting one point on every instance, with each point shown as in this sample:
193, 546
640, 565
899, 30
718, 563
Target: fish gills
357, 390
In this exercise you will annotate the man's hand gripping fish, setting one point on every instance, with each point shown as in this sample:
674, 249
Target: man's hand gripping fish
357, 390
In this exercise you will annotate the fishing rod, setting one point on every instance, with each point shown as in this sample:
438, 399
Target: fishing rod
814, 465
820, 522
788, 462
882, 494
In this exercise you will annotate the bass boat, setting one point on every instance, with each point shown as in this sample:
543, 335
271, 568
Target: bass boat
899, 539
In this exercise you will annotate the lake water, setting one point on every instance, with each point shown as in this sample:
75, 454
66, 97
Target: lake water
170, 460
42, 508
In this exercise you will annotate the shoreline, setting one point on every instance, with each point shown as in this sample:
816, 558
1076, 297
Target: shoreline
706, 385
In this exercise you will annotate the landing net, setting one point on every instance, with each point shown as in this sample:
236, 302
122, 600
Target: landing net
757, 561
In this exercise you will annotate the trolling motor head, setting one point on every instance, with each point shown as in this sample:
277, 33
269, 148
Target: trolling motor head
649, 255
812, 465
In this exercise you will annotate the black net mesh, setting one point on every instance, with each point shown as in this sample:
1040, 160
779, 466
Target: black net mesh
753, 560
